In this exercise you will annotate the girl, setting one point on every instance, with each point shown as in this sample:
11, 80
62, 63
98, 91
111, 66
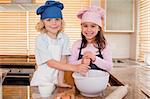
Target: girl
92, 49
52, 47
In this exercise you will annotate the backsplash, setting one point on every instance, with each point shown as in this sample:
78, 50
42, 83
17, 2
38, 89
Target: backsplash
119, 44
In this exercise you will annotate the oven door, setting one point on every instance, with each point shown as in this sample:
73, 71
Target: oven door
17, 79
18, 74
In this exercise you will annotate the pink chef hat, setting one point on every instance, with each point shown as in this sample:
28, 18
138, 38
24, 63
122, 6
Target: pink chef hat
93, 14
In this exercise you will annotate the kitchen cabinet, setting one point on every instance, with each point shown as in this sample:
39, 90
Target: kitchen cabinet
15, 92
68, 77
119, 15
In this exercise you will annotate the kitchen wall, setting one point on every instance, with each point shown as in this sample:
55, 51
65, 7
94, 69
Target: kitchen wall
119, 44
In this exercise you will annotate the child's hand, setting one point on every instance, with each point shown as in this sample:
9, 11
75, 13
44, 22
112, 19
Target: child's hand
82, 69
64, 85
85, 60
90, 55
61, 80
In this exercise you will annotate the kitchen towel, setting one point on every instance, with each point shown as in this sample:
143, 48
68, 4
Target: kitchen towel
119, 93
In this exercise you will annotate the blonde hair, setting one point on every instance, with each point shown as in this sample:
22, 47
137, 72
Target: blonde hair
40, 27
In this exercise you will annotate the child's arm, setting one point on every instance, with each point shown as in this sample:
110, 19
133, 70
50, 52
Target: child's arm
61, 82
81, 68
45, 57
106, 62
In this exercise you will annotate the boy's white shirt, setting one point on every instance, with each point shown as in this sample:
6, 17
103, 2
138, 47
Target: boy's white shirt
44, 74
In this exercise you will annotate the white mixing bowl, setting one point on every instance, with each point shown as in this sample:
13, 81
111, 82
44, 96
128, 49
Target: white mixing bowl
92, 84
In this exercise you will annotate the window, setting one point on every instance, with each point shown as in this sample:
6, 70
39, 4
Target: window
13, 34
144, 28
17, 29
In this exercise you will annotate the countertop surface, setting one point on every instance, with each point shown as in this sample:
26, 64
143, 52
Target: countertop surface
130, 75
136, 76
126, 75
72, 93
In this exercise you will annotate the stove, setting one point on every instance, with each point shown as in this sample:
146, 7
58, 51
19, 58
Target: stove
18, 74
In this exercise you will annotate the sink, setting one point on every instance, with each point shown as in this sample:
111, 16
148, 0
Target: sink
124, 63
118, 61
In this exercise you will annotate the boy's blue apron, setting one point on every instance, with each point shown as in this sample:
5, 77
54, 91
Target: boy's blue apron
93, 66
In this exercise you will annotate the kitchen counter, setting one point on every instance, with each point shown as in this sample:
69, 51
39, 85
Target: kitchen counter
27, 92
131, 75
17, 60
124, 63
136, 76
126, 75
72, 93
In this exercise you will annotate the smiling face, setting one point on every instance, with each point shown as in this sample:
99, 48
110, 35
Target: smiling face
89, 30
53, 26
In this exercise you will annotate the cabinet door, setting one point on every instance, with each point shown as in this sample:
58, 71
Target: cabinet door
68, 78
119, 16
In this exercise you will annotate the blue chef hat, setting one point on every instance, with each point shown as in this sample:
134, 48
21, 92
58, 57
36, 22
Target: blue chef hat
51, 9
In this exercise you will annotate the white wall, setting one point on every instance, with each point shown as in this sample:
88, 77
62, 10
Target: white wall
119, 44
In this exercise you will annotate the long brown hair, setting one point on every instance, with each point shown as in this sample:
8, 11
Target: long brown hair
100, 41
